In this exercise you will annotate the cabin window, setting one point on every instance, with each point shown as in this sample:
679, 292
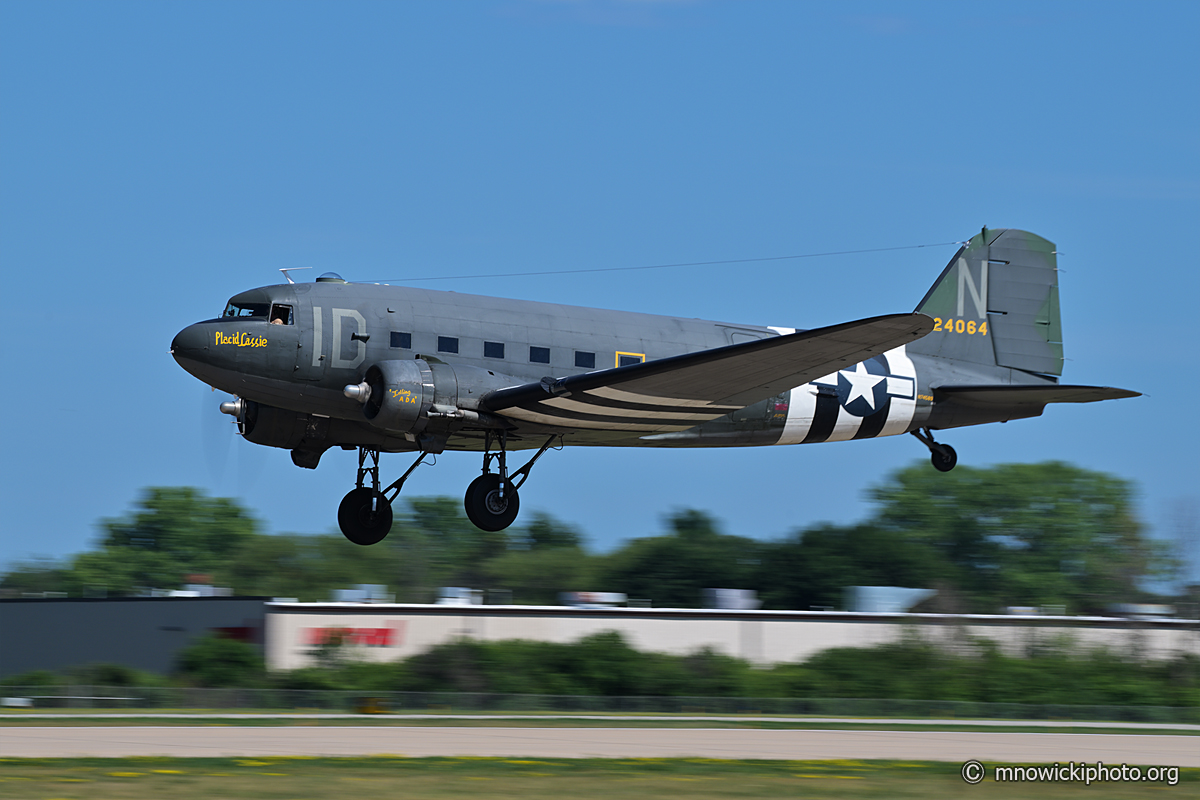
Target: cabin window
539, 355
447, 344
585, 360
281, 314
246, 309
402, 340
493, 349
627, 359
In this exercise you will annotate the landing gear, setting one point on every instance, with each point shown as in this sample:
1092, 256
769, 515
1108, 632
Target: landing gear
945, 460
942, 456
492, 501
489, 506
365, 514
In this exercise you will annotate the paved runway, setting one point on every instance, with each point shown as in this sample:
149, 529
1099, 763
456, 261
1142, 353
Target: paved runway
935, 723
736, 743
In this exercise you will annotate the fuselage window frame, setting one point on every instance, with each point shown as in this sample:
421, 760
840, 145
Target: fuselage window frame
448, 344
624, 359
493, 350
281, 314
539, 355
585, 360
401, 340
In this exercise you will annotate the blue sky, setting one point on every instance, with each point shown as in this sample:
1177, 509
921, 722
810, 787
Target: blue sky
156, 158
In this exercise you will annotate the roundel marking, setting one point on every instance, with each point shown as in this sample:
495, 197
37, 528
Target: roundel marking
863, 389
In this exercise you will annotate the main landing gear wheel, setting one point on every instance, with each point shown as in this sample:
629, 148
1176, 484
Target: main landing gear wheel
485, 506
365, 516
942, 456
944, 460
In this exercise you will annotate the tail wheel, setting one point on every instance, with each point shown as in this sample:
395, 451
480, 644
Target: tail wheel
486, 508
365, 516
944, 459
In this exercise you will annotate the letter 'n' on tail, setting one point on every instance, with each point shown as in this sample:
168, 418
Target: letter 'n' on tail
996, 303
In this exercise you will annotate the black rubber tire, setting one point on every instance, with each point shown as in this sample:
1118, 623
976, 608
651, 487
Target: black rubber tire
944, 462
359, 523
484, 507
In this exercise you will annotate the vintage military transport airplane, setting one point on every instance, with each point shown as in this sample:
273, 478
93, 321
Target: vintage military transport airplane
391, 368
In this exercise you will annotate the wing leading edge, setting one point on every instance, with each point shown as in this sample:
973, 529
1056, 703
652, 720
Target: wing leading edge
680, 392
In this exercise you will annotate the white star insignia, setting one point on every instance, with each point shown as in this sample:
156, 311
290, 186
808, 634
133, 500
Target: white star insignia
862, 384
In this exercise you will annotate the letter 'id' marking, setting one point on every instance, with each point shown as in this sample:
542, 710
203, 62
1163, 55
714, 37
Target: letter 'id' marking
318, 340
360, 325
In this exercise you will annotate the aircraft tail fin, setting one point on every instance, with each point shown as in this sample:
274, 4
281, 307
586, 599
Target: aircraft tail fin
996, 303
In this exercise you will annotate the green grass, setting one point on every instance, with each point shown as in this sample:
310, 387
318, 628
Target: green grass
417, 778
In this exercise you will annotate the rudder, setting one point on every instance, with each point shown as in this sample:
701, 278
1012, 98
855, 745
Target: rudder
996, 303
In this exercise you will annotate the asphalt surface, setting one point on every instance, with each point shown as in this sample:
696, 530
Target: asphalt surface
737, 743
938, 723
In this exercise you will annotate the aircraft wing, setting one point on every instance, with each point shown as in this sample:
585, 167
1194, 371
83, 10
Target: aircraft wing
680, 392
1009, 396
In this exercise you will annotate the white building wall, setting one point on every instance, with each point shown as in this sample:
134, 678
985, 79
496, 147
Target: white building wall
391, 632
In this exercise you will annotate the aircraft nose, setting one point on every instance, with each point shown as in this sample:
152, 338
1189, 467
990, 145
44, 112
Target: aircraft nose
191, 342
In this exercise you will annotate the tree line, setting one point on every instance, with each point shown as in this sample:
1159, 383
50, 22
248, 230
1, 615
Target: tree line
1048, 534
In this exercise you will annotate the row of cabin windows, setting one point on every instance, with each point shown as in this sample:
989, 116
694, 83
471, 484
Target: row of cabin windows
537, 355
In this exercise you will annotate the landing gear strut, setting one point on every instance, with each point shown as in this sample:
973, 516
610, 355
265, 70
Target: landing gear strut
942, 455
365, 514
492, 501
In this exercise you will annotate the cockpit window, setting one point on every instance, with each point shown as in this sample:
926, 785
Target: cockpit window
246, 309
281, 314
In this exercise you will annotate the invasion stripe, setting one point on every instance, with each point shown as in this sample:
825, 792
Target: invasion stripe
608, 424
824, 419
644, 413
681, 406
873, 424
540, 407
633, 397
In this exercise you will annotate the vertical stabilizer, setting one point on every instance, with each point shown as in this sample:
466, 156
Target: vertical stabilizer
997, 303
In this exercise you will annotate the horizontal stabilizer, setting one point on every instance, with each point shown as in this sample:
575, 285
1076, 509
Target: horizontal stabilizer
682, 391
1009, 396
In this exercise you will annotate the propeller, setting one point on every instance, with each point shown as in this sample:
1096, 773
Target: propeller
225, 453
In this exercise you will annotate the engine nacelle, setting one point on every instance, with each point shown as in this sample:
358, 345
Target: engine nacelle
270, 426
400, 394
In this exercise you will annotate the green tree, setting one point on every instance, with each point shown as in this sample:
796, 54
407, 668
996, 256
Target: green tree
543, 559
674, 570
538, 576
813, 567
440, 547
1026, 534
216, 661
308, 567
34, 577
173, 532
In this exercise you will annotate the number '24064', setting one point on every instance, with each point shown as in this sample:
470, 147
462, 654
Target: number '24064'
967, 326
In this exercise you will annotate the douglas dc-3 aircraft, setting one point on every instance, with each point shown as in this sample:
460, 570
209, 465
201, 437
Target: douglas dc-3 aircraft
391, 369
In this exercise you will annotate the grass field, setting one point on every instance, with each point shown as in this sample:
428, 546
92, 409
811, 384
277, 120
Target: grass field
330, 778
